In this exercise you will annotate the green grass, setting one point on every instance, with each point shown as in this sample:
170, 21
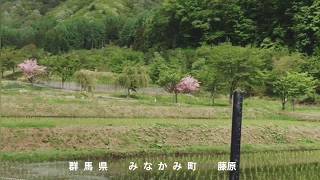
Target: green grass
143, 122
21, 100
55, 138
65, 124
68, 154
168, 99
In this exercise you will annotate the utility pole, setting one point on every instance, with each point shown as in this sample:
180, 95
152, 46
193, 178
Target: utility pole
0, 65
0, 69
0, 77
236, 134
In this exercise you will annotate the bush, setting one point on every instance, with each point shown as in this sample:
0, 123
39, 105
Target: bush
105, 77
13, 76
86, 80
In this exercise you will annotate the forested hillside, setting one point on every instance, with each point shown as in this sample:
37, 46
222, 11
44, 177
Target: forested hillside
226, 44
139, 84
61, 25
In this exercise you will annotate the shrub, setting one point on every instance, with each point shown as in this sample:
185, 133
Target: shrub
86, 80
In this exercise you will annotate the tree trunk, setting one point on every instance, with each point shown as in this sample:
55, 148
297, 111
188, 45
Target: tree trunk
62, 83
176, 97
0, 80
81, 87
31, 80
213, 98
230, 96
283, 103
0, 93
92, 44
128, 93
293, 103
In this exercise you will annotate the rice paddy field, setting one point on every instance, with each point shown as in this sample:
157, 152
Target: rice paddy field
43, 129
259, 165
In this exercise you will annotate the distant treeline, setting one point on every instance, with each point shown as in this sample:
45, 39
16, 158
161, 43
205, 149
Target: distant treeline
262, 47
63, 25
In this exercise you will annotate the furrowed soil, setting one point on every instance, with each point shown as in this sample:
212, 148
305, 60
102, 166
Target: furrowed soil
44, 124
145, 137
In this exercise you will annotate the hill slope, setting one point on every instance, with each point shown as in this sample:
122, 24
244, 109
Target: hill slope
18, 12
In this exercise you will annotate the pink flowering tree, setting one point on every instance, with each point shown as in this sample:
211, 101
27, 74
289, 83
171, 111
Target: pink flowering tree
187, 85
31, 69
172, 81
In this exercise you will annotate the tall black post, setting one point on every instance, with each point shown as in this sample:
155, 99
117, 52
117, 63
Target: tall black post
236, 134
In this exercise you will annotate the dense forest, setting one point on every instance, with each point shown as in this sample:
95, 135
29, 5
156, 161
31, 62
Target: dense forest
262, 47
62, 25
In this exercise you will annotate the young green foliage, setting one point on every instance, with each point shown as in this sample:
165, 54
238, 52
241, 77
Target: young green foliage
63, 66
169, 78
86, 80
293, 85
133, 76
236, 66
209, 78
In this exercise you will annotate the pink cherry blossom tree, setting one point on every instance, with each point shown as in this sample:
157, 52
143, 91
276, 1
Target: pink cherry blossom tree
31, 69
187, 85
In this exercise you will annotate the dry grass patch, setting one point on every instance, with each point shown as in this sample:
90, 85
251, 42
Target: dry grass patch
126, 138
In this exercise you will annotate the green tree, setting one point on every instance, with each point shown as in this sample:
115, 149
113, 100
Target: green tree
209, 78
112, 26
79, 33
157, 66
237, 66
292, 86
41, 28
279, 63
116, 58
285, 62
133, 76
10, 57
169, 78
64, 66
306, 27
7, 61
312, 66
86, 80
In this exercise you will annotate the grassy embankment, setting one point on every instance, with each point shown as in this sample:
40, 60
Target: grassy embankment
44, 124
